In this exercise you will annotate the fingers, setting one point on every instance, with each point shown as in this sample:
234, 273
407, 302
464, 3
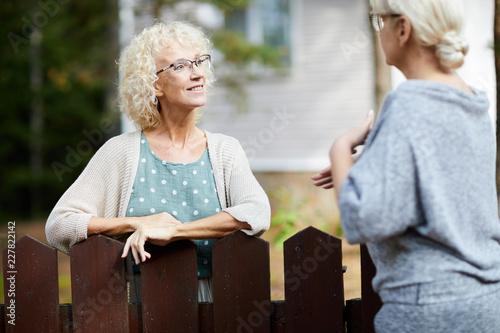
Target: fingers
323, 178
323, 181
322, 174
369, 119
358, 135
135, 244
328, 186
326, 183
142, 253
135, 255
126, 248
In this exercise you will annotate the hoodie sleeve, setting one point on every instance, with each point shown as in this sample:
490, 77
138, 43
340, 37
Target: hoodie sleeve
379, 198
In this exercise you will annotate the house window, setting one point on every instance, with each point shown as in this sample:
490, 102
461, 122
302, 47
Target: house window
264, 22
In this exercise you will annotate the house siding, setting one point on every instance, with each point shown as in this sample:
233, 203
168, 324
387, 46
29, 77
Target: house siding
294, 118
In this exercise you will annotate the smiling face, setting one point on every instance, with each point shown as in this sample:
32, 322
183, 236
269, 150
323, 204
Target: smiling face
184, 90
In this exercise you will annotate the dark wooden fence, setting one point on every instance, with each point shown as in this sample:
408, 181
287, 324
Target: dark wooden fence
314, 293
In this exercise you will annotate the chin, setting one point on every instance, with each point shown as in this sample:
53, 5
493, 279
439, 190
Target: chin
200, 103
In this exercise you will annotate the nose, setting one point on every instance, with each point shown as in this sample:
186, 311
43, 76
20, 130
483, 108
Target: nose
197, 71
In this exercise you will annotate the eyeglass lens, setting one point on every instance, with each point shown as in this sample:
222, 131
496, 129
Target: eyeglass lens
181, 65
377, 22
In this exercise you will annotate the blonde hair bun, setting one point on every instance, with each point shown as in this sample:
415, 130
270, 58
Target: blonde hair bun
436, 24
451, 50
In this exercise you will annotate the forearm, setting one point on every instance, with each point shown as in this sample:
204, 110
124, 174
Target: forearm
112, 226
342, 161
212, 227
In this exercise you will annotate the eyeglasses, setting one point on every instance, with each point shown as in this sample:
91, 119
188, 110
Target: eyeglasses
182, 66
377, 20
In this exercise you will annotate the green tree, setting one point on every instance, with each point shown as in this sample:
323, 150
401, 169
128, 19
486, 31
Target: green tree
56, 62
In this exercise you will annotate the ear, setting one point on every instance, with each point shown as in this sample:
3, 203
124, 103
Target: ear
404, 30
158, 89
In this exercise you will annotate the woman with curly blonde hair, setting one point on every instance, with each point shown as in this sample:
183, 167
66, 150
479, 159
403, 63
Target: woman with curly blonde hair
154, 181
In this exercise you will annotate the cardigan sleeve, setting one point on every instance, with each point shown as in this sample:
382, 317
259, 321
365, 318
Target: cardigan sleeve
379, 199
247, 200
100, 190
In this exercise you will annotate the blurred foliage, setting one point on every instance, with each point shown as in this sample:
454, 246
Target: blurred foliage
290, 216
239, 56
76, 59
238, 51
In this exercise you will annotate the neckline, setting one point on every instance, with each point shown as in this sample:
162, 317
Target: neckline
445, 86
165, 162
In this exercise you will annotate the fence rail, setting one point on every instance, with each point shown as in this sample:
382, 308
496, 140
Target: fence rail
314, 293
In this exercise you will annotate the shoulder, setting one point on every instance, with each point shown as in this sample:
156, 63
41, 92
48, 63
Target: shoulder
419, 99
222, 142
120, 146
122, 140
412, 104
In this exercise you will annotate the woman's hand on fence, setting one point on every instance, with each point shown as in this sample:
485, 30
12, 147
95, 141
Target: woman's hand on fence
157, 235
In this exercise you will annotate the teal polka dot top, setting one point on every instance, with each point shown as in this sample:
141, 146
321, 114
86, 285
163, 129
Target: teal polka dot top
185, 190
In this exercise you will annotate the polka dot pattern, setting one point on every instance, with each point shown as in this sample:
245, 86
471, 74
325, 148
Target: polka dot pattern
187, 191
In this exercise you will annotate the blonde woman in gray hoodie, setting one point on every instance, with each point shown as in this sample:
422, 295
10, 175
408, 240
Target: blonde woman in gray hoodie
422, 195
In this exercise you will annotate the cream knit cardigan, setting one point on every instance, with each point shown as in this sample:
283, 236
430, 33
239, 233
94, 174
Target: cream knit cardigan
104, 187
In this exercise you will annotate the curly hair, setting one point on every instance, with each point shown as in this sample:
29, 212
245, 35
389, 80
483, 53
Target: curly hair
137, 68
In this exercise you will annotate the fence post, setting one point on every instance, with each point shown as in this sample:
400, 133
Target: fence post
241, 282
170, 288
370, 301
314, 287
30, 287
98, 286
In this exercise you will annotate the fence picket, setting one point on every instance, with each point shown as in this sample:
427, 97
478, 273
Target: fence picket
353, 316
241, 282
314, 292
30, 287
278, 317
370, 301
65, 319
170, 288
135, 318
2, 318
206, 317
98, 286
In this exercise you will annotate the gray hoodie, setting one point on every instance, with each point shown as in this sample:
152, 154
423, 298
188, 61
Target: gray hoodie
423, 197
